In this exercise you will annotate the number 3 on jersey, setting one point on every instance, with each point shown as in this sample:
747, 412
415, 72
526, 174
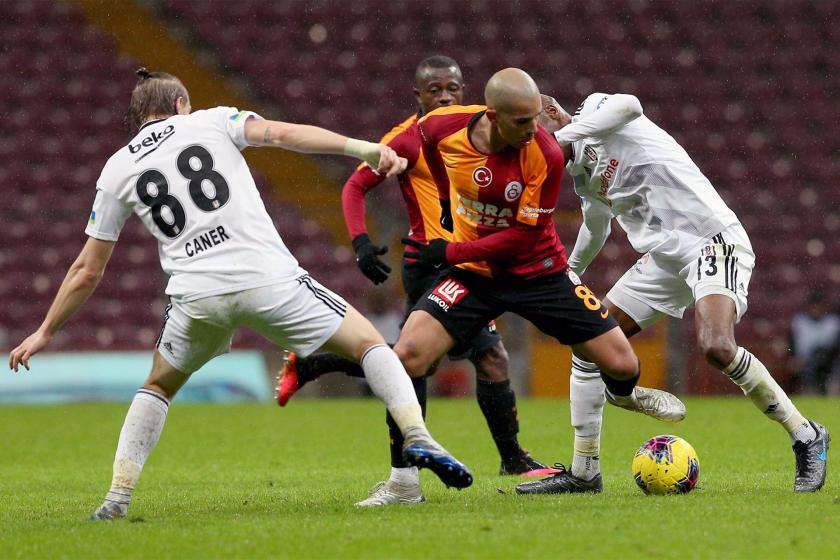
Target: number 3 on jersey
167, 211
708, 263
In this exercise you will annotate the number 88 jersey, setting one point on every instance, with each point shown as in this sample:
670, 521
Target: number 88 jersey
187, 181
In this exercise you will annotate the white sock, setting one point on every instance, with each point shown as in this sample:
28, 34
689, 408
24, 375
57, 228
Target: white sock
750, 374
389, 381
586, 395
586, 462
804, 432
139, 435
405, 476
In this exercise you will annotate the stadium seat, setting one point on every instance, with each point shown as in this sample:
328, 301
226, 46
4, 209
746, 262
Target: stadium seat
703, 71
66, 120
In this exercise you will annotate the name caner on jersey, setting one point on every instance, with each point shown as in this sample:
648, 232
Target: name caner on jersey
186, 179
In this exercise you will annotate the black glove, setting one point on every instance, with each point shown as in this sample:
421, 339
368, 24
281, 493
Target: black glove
431, 255
446, 216
367, 257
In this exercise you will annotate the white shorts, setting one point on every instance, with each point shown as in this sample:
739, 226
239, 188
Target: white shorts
299, 315
656, 286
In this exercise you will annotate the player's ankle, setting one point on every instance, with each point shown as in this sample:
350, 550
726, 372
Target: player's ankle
119, 495
622, 400
416, 432
585, 467
509, 449
803, 431
405, 476
621, 388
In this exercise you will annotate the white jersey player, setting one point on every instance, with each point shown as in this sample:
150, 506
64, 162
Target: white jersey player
185, 178
695, 252
183, 175
693, 243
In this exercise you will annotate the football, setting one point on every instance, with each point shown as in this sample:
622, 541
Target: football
666, 465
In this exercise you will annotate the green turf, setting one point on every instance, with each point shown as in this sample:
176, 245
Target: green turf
254, 481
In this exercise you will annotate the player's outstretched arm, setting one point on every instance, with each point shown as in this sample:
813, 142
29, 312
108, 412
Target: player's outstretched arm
353, 208
594, 232
616, 111
310, 139
81, 280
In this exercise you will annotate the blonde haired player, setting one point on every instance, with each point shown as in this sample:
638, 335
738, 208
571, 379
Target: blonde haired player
695, 252
183, 175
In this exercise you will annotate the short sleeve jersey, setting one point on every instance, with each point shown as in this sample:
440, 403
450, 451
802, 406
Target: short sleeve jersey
187, 181
649, 183
489, 194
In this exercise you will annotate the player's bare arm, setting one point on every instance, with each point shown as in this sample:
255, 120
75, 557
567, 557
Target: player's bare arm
310, 139
82, 279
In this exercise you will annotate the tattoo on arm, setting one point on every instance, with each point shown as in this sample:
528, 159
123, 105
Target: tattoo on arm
267, 134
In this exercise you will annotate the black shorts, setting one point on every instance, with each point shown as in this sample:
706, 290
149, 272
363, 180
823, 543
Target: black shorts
419, 280
464, 303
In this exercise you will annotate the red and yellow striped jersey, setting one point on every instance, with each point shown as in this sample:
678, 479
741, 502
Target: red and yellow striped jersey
502, 203
416, 183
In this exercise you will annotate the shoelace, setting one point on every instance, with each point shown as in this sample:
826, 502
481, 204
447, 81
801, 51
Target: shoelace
804, 461
560, 467
377, 487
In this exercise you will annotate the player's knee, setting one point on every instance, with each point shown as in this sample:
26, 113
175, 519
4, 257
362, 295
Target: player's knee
354, 337
621, 365
161, 389
358, 348
365, 340
719, 351
413, 359
164, 379
492, 364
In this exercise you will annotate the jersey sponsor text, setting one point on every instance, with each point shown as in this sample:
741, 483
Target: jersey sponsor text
483, 214
152, 139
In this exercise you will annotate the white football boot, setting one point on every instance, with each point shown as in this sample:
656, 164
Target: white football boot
388, 493
661, 405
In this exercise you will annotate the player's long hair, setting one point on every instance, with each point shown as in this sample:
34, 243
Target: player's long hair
154, 94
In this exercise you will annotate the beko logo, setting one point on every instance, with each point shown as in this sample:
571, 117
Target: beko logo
153, 139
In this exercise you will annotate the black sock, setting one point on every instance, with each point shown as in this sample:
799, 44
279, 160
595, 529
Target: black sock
620, 387
397, 441
498, 404
314, 366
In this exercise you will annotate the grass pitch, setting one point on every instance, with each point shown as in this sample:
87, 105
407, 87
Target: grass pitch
256, 481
